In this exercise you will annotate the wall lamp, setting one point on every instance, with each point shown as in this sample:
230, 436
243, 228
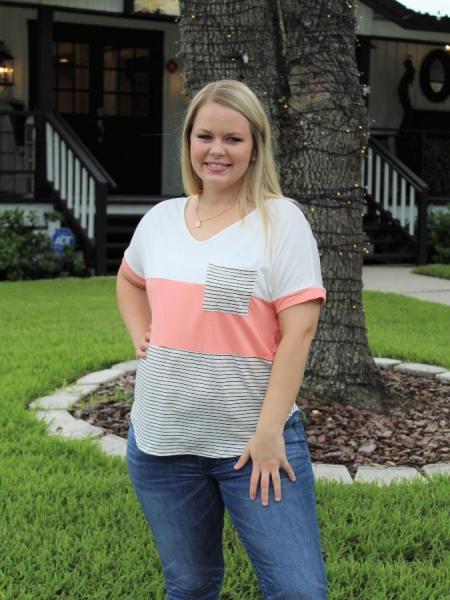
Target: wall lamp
6, 66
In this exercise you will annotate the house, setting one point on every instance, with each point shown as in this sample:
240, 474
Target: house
404, 60
91, 99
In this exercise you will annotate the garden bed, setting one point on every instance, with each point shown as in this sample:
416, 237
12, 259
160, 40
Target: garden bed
337, 433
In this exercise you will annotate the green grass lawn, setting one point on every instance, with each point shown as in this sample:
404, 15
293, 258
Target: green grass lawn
434, 270
70, 524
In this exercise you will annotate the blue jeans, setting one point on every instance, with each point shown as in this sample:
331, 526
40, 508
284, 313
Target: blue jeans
184, 496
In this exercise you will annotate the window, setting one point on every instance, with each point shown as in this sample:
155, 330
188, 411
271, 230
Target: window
72, 74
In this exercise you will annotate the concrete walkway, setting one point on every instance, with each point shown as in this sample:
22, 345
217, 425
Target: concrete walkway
400, 280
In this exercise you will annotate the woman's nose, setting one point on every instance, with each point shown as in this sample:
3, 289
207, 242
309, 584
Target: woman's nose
217, 148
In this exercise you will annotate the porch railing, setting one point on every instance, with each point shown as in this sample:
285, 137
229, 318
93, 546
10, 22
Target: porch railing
80, 181
17, 153
394, 187
40, 156
422, 150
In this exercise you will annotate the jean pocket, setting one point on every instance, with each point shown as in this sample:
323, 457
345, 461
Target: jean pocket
133, 452
294, 431
228, 289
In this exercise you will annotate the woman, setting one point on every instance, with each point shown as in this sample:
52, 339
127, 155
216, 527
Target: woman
228, 282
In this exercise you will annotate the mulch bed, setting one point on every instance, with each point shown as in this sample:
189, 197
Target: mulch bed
337, 433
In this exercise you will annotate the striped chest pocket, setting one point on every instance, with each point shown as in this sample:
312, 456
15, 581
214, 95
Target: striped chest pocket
228, 289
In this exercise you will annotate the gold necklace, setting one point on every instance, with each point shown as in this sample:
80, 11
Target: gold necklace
199, 221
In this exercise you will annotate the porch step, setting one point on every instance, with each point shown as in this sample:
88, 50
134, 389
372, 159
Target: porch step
119, 231
389, 242
382, 258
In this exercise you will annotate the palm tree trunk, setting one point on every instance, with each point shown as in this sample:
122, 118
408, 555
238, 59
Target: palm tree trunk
299, 58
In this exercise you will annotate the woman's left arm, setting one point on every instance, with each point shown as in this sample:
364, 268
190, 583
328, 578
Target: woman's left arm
298, 325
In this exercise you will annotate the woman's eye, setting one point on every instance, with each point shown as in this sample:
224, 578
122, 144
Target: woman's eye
205, 136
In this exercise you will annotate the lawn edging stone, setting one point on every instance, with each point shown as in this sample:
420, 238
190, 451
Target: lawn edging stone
64, 398
386, 475
386, 363
61, 422
420, 369
443, 376
100, 377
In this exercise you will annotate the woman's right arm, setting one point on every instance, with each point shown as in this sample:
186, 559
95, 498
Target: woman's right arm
134, 308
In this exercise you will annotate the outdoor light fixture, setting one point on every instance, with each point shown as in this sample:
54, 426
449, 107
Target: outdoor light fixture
6, 66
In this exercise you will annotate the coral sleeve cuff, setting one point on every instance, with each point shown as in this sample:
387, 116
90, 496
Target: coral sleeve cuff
132, 275
304, 295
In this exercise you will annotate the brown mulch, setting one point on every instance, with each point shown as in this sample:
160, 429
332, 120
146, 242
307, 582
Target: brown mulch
336, 433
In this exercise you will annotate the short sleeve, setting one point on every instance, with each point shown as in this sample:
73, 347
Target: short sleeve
133, 259
295, 272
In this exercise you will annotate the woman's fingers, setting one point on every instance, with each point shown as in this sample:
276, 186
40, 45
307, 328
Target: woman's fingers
254, 480
263, 476
265, 482
276, 479
289, 470
141, 352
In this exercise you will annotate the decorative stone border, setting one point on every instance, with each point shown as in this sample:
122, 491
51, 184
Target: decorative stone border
53, 410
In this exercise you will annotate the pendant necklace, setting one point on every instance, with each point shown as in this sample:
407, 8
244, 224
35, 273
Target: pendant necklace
199, 221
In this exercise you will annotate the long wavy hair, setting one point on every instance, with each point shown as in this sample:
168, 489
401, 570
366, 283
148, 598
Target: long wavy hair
260, 181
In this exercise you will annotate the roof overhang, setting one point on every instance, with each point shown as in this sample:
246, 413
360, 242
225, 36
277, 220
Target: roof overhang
407, 18
91, 11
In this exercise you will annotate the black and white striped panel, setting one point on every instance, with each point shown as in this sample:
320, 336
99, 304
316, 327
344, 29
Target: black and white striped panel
194, 403
228, 289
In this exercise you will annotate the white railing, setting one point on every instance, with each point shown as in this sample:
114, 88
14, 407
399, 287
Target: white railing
392, 185
71, 179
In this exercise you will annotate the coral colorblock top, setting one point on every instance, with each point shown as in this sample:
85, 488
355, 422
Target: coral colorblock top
215, 329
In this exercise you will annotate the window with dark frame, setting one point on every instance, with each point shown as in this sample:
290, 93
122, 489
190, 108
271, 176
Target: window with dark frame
126, 81
72, 77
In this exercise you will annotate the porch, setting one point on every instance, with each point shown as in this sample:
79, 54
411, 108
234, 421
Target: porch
43, 164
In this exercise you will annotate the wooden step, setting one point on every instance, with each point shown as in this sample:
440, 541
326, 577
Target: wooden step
389, 258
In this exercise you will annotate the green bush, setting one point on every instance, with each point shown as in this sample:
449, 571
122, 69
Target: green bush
438, 238
28, 254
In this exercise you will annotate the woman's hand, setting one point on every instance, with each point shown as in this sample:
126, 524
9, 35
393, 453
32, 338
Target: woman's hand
268, 454
141, 350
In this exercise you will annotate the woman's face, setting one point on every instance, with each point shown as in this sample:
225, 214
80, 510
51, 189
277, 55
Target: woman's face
221, 147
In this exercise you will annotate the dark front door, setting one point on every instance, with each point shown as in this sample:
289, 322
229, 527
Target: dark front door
108, 87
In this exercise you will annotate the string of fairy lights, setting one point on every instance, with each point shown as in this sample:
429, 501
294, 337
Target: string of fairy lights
313, 100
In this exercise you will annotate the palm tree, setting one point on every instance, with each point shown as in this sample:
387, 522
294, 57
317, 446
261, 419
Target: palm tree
299, 58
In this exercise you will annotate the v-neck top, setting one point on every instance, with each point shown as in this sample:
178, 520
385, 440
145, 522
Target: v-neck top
215, 327
216, 234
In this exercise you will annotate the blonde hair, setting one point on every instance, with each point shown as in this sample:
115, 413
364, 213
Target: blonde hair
260, 181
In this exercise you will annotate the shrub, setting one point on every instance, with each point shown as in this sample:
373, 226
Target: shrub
28, 254
438, 237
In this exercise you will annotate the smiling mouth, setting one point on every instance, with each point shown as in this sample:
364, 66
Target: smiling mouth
216, 166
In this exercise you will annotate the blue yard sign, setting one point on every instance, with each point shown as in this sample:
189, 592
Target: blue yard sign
61, 238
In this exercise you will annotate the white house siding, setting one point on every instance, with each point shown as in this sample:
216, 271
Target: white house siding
371, 23
386, 70
386, 65
14, 32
